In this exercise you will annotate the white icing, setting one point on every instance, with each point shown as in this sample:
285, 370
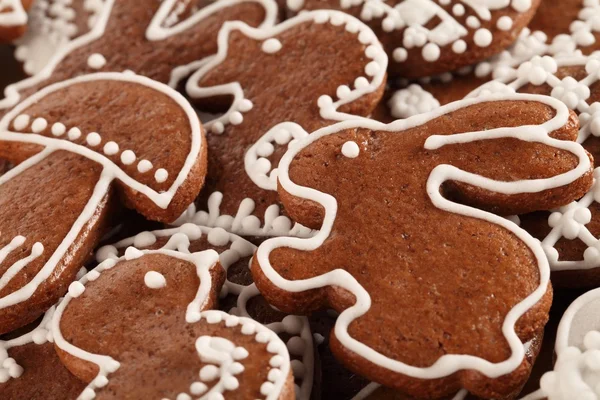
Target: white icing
39, 335
180, 238
96, 61
570, 221
411, 101
36, 250
271, 46
155, 280
350, 149
296, 326
155, 31
576, 373
449, 363
13, 15
110, 171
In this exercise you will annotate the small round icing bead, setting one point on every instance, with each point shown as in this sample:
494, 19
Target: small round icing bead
350, 149
76, 289
504, 23
431, 52
459, 47
74, 133
128, 157
271, 46
21, 122
111, 148
93, 139
155, 280
96, 61
58, 129
161, 175
39, 124
144, 166
483, 37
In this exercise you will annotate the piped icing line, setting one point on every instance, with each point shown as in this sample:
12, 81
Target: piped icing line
203, 261
301, 344
51, 26
15, 15
415, 17
36, 250
568, 221
39, 335
449, 363
576, 372
110, 172
376, 69
179, 240
244, 222
153, 32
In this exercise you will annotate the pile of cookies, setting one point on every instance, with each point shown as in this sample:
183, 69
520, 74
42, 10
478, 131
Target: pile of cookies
300, 199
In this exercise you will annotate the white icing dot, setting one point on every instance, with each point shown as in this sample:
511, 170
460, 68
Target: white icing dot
271, 46
473, 22
161, 175
350, 149
248, 328
276, 361
459, 47
39, 124
128, 157
96, 61
482, 37
209, 373
400, 54
218, 237
21, 122
521, 5
111, 148
266, 388
431, 52
197, 388
217, 127
183, 396
236, 118
144, 239
458, 10
155, 280
239, 353
245, 105
372, 68
131, 253
58, 129
144, 166
74, 133
213, 318
504, 23
76, 289
93, 139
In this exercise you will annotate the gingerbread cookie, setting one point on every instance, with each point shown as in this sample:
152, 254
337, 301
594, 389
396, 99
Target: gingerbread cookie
238, 295
410, 232
13, 18
53, 24
576, 371
430, 37
31, 369
569, 234
310, 70
85, 146
147, 37
163, 340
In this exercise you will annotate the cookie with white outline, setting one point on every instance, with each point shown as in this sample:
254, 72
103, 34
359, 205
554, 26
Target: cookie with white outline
238, 295
13, 18
159, 337
30, 367
310, 70
409, 253
148, 37
52, 25
430, 37
576, 371
85, 146
569, 234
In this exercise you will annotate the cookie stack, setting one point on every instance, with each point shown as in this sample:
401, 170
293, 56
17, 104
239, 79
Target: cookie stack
309, 199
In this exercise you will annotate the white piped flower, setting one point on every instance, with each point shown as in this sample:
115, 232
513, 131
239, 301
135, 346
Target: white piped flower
571, 92
537, 70
411, 101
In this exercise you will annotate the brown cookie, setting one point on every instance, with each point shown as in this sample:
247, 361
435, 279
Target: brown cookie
159, 337
238, 296
569, 234
89, 144
52, 25
430, 37
576, 373
148, 37
309, 70
31, 369
13, 18
416, 270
